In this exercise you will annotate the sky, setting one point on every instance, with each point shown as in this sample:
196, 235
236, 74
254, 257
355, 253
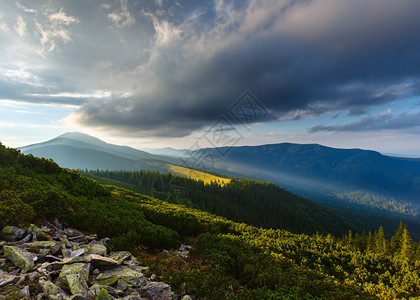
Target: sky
152, 74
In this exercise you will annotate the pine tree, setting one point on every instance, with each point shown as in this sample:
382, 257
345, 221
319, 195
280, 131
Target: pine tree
396, 239
406, 245
380, 241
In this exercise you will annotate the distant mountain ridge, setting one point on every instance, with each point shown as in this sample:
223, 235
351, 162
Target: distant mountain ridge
76, 150
315, 170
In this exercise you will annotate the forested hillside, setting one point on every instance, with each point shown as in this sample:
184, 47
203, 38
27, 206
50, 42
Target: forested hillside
231, 260
258, 203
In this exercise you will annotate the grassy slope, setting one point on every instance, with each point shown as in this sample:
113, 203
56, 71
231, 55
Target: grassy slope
198, 175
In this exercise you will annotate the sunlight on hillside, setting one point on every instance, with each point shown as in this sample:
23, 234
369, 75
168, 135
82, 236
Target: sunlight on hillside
197, 175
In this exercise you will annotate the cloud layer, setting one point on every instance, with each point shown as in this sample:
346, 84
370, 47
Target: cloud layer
169, 68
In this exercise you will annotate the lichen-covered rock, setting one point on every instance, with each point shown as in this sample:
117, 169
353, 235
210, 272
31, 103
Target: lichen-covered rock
79, 269
12, 233
140, 269
132, 296
35, 231
108, 281
6, 278
119, 272
101, 261
120, 256
95, 249
76, 285
25, 292
125, 283
157, 291
20, 257
103, 295
96, 288
51, 290
41, 244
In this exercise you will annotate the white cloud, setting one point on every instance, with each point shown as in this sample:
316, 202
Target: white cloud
4, 27
54, 30
20, 26
25, 9
61, 18
122, 17
20, 75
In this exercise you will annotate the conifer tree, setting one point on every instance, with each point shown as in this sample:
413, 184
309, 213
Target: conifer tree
380, 241
406, 245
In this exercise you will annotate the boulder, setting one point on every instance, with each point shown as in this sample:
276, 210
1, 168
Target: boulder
120, 256
119, 272
157, 291
12, 233
103, 295
101, 261
25, 292
96, 288
51, 291
80, 269
6, 278
20, 257
95, 248
76, 285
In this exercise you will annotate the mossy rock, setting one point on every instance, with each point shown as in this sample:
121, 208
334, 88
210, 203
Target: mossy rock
20, 257
79, 269
12, 233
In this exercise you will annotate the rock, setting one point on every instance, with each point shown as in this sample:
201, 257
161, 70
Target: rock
125, 283
119, 272
96, 288
12, 233
95, 249
80, 269
76, 285
108, 281
71, 232
153, 277
140, 269
92, 237
41, 244
20, 257
186, 297
157, 291
72, 260
58, 225
132, 296
25, 292
6, 278
120, 256
103, 295
30, 276
104, 241
51, 291
35, 231
101, 261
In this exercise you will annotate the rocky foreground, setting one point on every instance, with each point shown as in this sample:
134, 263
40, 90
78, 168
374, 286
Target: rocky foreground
56, 262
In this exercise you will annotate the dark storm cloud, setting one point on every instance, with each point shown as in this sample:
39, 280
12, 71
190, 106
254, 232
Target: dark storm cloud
175, 67
405, 121
314, 56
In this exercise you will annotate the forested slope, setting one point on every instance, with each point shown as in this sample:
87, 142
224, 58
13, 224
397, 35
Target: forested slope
258, 203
